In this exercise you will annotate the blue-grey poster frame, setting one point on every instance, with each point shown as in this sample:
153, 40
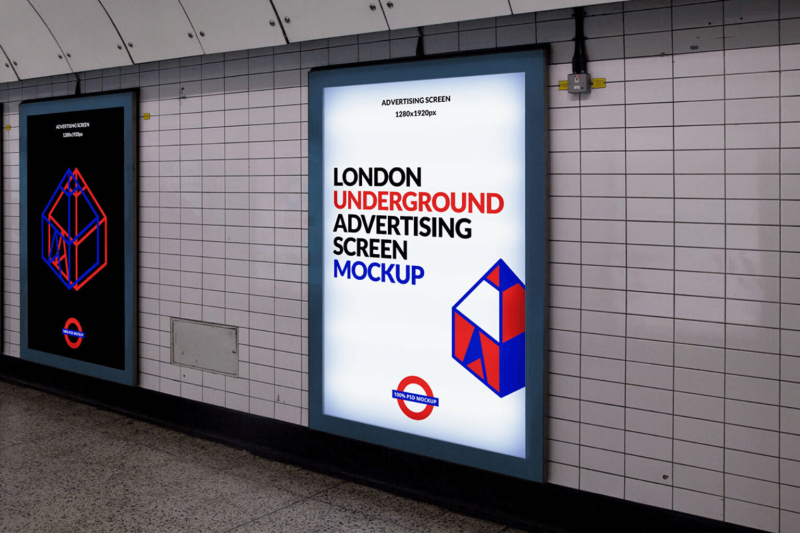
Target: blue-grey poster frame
533, 62
129, 101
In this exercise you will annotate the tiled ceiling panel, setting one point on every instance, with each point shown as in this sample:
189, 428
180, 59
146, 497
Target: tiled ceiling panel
28, 43
527, 6
305, 20
411, 13
86, 34
6, 72
234, 24
154, 29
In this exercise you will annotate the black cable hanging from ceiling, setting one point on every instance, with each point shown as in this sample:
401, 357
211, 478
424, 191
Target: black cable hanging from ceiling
579, 57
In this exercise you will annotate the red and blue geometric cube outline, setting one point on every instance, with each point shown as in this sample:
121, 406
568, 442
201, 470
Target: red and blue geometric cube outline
497, 363
60, 246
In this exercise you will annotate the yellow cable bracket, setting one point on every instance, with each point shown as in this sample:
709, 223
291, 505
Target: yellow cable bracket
597, 83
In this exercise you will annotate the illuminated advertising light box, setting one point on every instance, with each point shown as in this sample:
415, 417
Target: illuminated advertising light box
78, 234
427, 259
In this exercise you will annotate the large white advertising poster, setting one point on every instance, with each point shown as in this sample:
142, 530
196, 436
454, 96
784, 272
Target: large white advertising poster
423, 258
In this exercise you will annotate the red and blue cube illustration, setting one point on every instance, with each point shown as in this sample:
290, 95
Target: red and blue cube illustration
489, 330
74, 232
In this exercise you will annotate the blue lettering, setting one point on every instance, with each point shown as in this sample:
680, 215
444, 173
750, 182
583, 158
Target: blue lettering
371, 266
408, 275
416, 273
363, 270
387, 272
339, 270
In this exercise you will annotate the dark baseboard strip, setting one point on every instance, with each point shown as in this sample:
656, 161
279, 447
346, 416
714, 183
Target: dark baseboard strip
516, 502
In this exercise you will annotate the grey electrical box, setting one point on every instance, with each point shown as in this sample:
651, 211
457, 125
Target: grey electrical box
211, 347
579, 83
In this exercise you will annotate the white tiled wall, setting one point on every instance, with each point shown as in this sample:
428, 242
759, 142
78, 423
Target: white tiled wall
675, 239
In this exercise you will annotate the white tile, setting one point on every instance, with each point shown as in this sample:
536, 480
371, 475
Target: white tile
603, 163
752, 211
643, 92
751, 515
699, 186
700, 211
752, 110
562, 141
602, 185
751, 490
613, 94
648, 68
700, 162
752, 136
650, 209
699, 138
602, 140
696, 113
602, 117
789, 83
752, 186
699, 64
752, 161
649, 138
700, 235
752, 85
648, 115
602, 483
650, 162
564, 118
648, 493
790, 135
752, 60
696, 503
700, 284
701, 88
790, 109
652, 186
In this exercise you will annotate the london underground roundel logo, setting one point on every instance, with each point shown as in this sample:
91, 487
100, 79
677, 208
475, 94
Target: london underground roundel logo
74, 334
428, 399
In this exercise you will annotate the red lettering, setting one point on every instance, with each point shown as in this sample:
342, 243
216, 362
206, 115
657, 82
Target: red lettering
369, 195
474, 202
500, 203
413, 206
425, 201
353, 200
463, 202
446, 202
394, 201
382, 201
336, 202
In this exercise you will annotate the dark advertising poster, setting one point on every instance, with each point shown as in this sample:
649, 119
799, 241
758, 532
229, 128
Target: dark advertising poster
78, 224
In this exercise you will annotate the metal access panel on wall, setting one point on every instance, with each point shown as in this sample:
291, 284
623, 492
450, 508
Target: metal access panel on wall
306, 20
84, 31
234, 24
212, 347
427, 257
78, 234
412, 13
33, 52
154, 29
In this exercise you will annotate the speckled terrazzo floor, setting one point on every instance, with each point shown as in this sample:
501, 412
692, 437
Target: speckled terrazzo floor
67, 467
